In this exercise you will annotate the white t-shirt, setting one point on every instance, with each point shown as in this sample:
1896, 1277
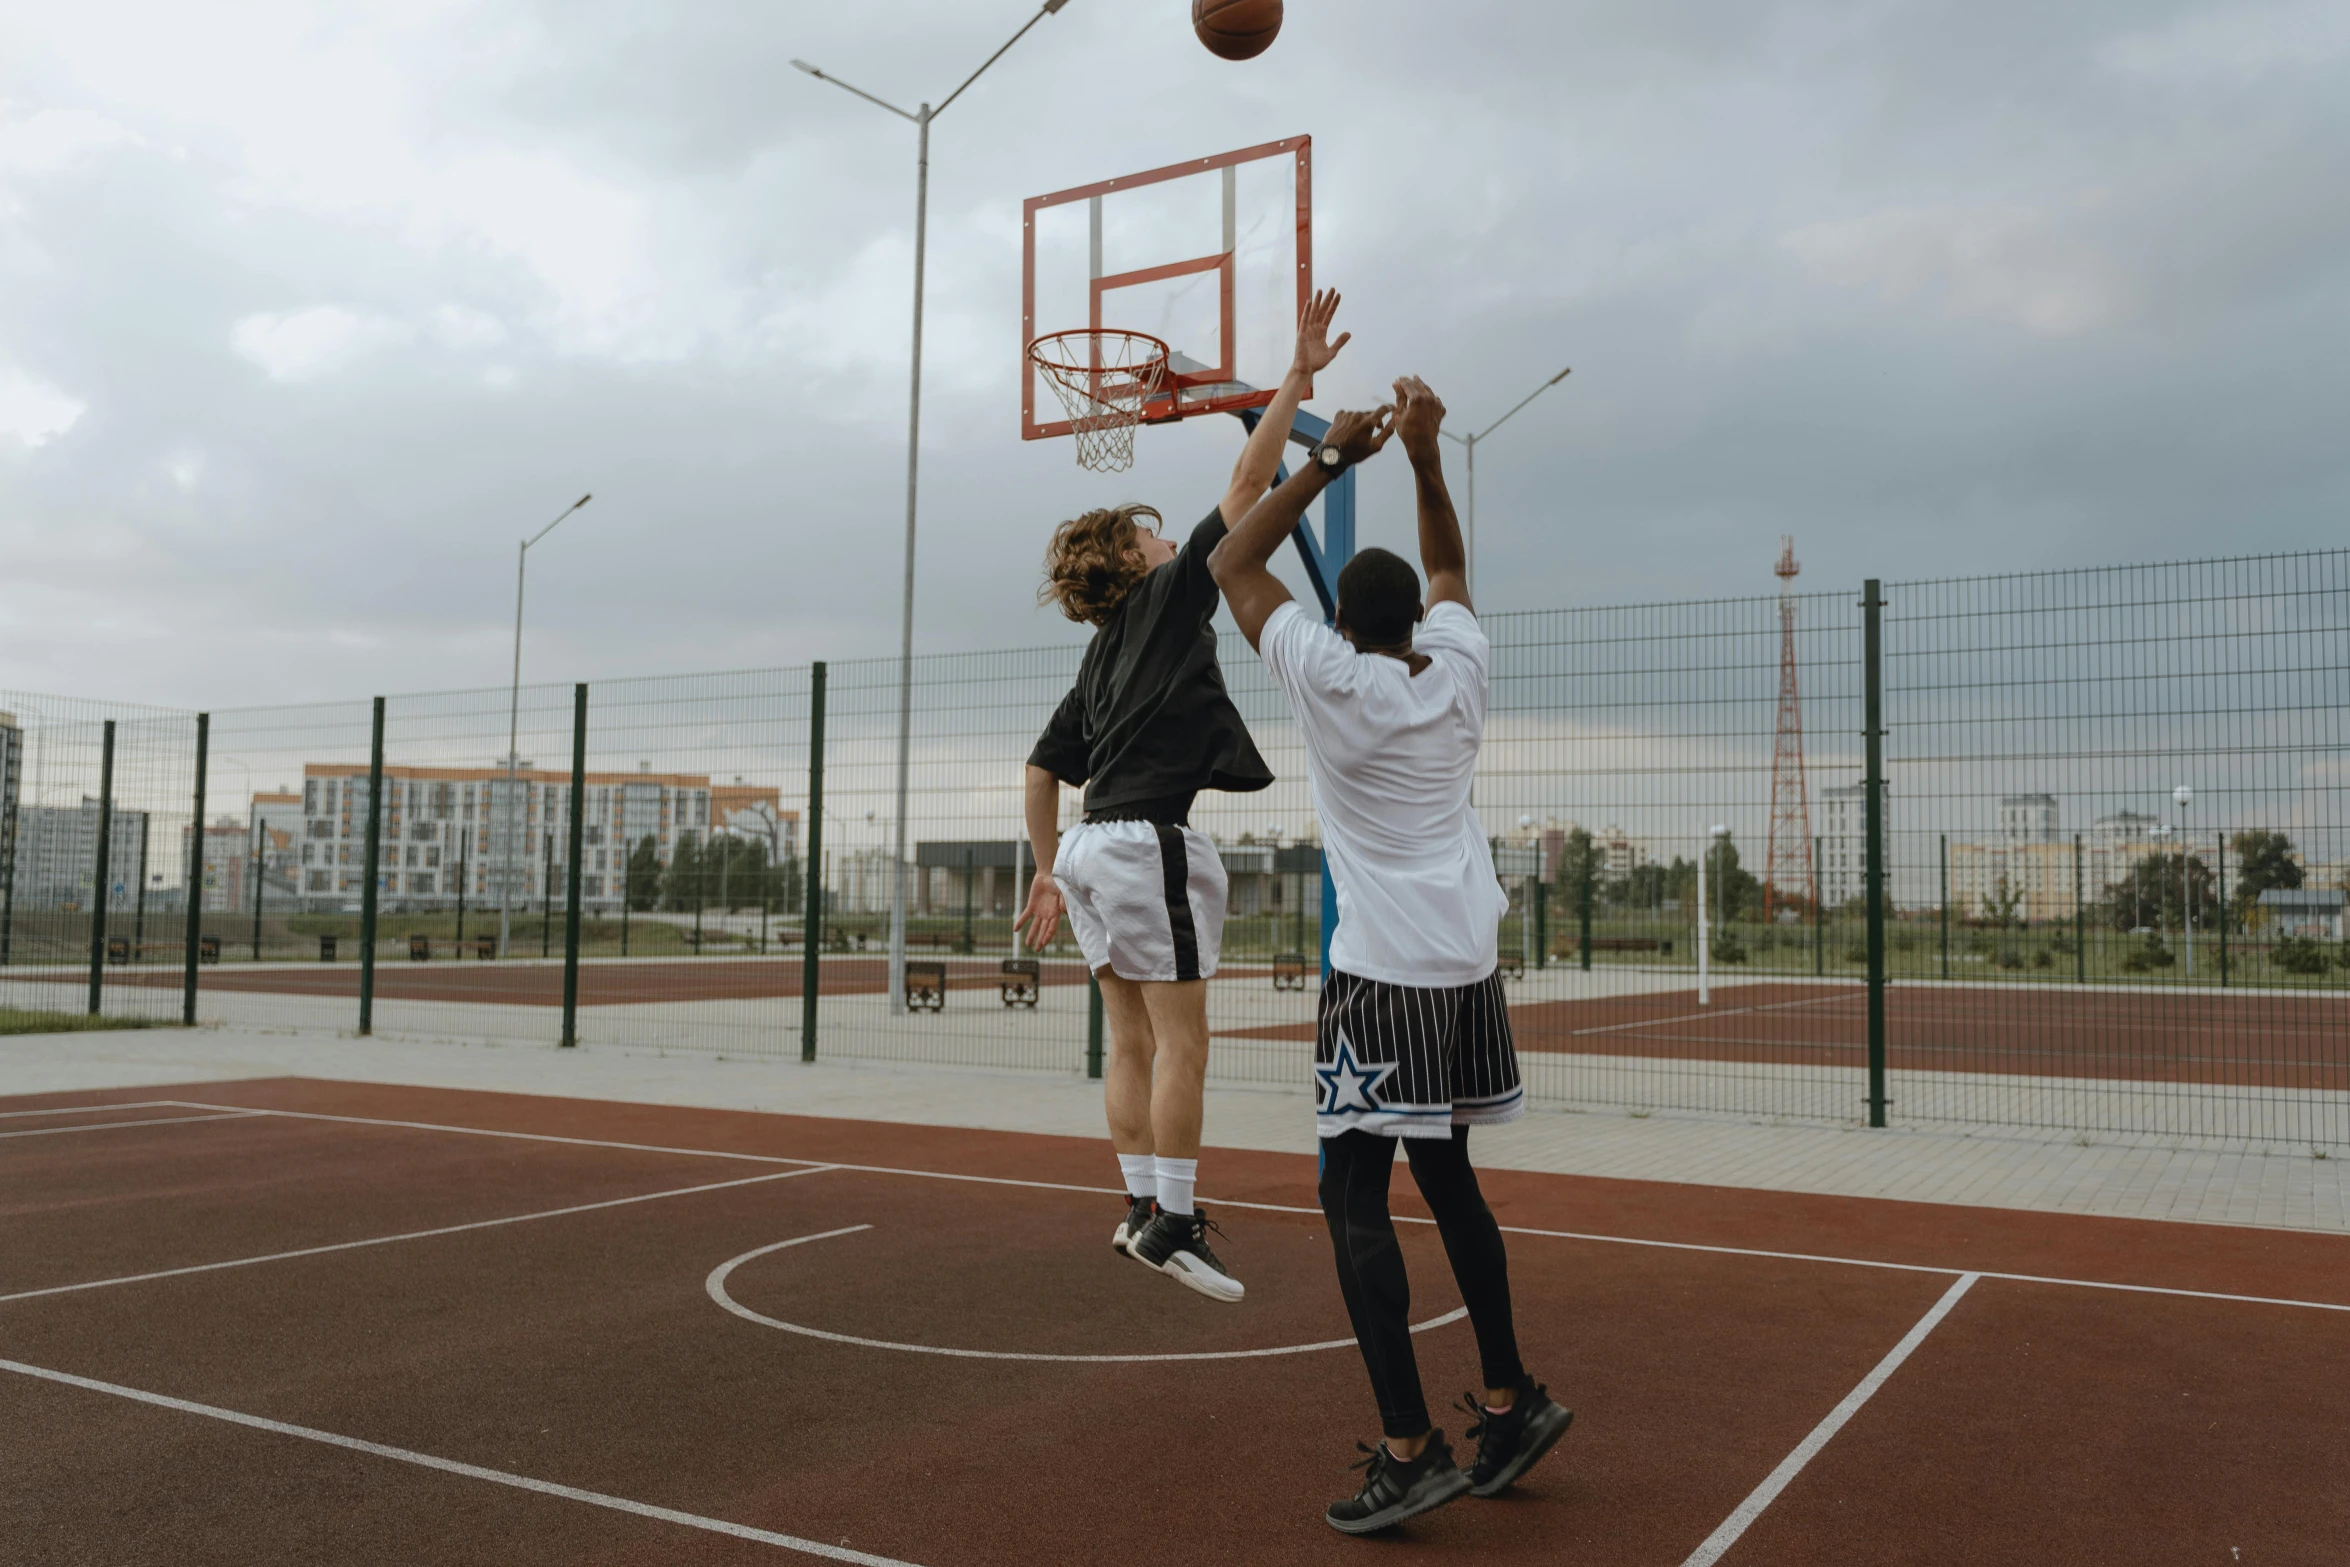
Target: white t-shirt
1391, 755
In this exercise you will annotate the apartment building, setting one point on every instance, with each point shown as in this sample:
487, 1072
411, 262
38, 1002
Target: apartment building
55, 856
2044, 872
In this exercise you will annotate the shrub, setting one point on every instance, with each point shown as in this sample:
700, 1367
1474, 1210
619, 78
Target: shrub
2148, 954
2010, 958
1728, 949
2043, 958
1858, 952
2299, 955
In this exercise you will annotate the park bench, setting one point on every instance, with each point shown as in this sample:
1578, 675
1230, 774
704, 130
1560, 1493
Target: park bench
1289, 971
926, 987
1627, 944
119, 949
1023, 981
485, 947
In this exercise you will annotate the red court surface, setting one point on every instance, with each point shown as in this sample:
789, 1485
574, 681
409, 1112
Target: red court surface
2251, 1039
285, 1321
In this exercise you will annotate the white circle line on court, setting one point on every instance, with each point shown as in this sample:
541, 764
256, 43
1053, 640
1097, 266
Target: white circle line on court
716, 1286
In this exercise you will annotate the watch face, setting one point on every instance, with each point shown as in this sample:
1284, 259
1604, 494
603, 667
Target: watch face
1328, 455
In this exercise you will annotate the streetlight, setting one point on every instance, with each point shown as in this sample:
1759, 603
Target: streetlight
514, 728
1469, 543
921, 116
2185, 797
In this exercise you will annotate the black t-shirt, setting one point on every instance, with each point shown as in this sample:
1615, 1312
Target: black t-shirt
1149, 723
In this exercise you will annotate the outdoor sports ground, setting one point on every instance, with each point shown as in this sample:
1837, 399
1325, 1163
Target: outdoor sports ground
298, 1320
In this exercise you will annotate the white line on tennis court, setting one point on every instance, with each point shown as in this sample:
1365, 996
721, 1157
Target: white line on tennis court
411, 1235
133, 1104
1702, 1017
1275, 1207
1792, 1465
569, 1493
715, 1287
488, 1131
111, 1126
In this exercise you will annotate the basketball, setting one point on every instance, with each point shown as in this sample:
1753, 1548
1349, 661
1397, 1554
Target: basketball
1236, 29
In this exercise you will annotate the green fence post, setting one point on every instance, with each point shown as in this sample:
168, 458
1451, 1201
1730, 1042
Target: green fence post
2220, 887
464, 876
812, 906
1093, 1026
571, 871
1819, 929
374, 858
101, 872
258, 863
1539, 912
970, 874
2080, 920
1873, 804
546, 891
139, 898
1583, 939
195, 903
1946, 905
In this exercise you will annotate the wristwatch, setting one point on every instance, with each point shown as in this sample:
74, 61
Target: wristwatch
1329, 456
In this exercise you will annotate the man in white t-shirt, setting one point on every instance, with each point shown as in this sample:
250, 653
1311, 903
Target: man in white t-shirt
1413, 1041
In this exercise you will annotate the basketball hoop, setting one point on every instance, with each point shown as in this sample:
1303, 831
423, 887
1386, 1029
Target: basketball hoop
1103, 377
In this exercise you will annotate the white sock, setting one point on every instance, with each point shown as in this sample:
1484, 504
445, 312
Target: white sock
1175, 1180
1141, 1172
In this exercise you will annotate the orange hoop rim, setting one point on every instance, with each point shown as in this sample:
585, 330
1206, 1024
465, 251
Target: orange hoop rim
1038, 351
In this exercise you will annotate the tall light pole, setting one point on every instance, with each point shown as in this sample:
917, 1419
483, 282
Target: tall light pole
2185, 796
921, 116
514, 729
1469, 541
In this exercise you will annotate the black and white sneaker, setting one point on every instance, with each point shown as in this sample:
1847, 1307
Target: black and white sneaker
1139, 1212
1177, 1244
1395, 1490
1512, 1442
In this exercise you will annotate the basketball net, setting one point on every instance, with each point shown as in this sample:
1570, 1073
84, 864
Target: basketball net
1103, 377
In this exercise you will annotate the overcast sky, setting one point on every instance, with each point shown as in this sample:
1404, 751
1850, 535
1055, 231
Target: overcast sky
308, 312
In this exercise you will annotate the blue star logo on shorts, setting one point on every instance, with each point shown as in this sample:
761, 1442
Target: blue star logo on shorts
1347, 1084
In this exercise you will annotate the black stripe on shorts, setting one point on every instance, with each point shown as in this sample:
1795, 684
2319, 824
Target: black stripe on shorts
1175, 869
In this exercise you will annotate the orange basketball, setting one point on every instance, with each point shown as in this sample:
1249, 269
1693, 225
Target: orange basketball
1236, 29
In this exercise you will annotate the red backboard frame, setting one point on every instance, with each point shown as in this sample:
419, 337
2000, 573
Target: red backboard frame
1172, 405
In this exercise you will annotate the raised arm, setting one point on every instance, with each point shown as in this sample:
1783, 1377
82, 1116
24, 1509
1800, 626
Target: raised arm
1260, 459
1444, 560
1239, 562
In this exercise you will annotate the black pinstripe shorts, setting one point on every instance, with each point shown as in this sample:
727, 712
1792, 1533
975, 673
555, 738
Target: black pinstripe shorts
1408, 1061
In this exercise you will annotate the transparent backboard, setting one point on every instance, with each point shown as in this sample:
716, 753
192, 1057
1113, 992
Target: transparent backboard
1213, 256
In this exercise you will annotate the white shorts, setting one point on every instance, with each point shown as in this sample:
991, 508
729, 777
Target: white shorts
1145, 900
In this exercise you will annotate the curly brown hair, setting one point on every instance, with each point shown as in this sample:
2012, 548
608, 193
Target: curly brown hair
1092, 564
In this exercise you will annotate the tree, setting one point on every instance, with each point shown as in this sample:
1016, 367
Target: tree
1729, 887
733, 870
644, 875
2264, 860
2160, 889
682, 886
1644, 888
1999, 904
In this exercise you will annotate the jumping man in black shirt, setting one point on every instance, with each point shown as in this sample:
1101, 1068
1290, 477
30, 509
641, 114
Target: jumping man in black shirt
1147, 726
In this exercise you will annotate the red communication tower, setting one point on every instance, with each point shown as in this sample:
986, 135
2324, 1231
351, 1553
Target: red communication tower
1788, 866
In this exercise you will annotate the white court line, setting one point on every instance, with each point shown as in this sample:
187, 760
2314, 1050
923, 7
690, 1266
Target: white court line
569, 1493
1792, 1465
1702, 1017
1275, 1207
112, 1126
133, 1104
715, 1285
411, 1235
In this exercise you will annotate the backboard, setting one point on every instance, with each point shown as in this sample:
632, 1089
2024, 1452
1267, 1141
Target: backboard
1214, 256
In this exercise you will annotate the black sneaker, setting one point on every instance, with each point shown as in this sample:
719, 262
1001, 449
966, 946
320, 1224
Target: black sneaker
1139, 1211
1395, 1490
1177, 1244
1512, 1442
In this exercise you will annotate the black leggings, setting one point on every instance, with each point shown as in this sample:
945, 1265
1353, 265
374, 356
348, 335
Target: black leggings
1355, 1171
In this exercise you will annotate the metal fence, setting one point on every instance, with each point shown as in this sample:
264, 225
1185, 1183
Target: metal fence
2033, 926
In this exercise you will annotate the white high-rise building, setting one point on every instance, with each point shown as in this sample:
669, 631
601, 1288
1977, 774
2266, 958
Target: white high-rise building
1844, 844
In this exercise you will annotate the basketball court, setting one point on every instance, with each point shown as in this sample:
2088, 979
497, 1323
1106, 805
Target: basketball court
287, 1319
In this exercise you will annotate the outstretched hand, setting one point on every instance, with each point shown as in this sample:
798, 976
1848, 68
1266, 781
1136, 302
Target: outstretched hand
1359, 435
1314, 348
1041, 919
1419, 414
